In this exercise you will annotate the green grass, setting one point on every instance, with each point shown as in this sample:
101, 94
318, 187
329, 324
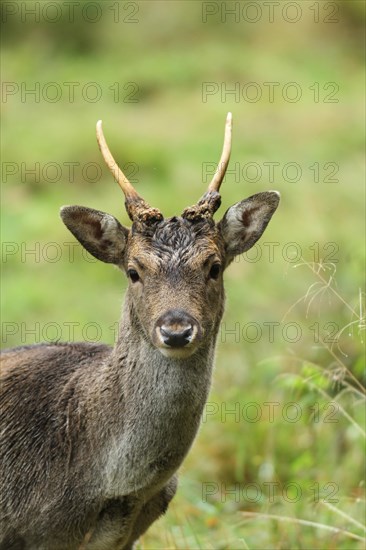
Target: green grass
170, 133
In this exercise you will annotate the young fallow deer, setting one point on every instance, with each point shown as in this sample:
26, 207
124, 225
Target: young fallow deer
91, 435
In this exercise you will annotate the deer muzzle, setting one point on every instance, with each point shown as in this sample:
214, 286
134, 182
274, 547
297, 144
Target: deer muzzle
177, 333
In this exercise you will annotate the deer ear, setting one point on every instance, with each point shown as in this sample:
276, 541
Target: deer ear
100, 233
244, 223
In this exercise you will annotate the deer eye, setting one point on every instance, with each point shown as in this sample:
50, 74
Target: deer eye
133, 275
215, 271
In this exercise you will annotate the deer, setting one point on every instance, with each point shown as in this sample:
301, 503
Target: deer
93, 435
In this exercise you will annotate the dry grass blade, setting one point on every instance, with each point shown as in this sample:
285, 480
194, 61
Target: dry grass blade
287, 519
343, 515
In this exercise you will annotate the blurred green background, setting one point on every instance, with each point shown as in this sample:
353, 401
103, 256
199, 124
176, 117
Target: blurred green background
162, 76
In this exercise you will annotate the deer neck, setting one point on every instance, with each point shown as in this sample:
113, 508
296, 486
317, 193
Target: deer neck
161, 406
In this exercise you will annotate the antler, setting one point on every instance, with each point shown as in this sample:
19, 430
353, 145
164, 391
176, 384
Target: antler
225, 156
211, 200
137, 208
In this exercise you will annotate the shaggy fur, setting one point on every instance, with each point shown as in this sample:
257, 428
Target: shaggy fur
91, 435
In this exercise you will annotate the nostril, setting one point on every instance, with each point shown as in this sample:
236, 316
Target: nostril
176, 338
187, 332
165, 332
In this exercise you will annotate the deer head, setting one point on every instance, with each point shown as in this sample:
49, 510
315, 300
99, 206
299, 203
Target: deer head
174, 265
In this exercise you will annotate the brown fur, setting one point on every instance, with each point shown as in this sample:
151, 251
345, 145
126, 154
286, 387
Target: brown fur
91, 435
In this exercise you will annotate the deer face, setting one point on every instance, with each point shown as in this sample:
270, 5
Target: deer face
176, 285
175, 266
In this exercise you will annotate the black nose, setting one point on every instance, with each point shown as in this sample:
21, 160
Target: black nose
176, 338
177, 328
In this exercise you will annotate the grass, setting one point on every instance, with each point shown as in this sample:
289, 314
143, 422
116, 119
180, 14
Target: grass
312, 289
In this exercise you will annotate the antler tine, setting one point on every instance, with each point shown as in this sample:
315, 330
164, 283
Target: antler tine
211, 200
137, 208
127, 188
225, 156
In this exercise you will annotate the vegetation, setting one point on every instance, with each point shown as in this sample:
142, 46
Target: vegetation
279, 461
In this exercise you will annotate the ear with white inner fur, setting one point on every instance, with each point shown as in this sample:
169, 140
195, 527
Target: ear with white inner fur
100, 233
244, 223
